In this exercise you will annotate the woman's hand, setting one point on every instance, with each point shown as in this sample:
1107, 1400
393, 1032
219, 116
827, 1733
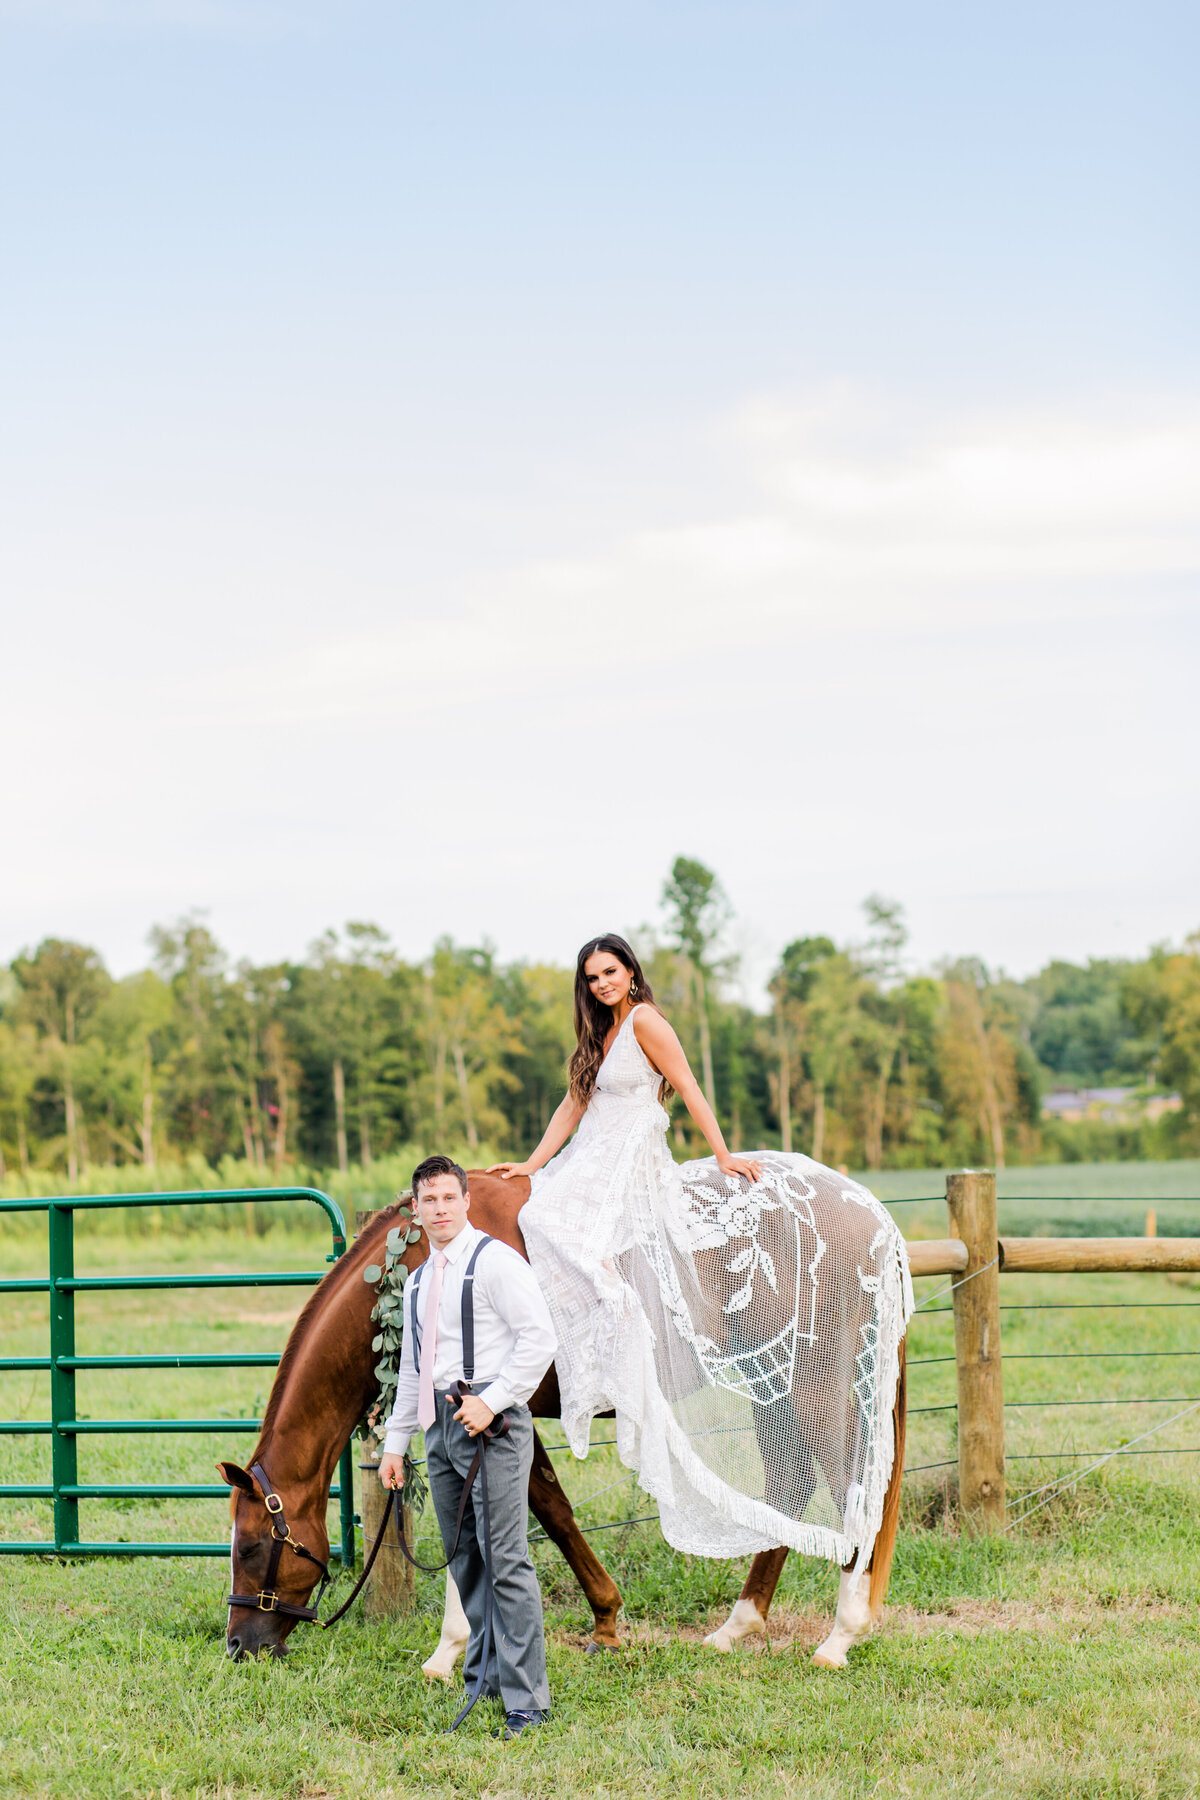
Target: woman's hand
749, 1166
507, 1170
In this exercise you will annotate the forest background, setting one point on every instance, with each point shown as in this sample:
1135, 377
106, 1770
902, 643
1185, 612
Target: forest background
343, 1069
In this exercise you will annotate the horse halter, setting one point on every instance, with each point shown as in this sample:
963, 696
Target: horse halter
267, 1600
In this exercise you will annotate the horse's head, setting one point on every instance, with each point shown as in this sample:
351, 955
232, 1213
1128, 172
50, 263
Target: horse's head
279, 1549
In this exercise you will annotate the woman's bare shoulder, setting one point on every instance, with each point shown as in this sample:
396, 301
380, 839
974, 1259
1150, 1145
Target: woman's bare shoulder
651, 1026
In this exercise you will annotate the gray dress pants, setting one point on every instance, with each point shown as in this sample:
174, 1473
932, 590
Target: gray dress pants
516, 1669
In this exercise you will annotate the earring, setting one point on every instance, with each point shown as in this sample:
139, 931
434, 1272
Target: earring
632, 992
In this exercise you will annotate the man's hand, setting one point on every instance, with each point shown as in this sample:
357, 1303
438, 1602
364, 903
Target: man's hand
391, 1471
473, 1415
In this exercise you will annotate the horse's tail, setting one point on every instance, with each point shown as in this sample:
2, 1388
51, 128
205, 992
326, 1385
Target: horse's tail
885, 1541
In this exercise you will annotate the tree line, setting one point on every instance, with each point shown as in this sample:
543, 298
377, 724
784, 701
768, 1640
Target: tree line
354, 1054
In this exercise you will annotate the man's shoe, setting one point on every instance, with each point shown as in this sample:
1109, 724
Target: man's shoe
517, 1722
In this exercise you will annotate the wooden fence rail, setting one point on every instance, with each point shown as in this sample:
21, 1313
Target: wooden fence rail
1061, 1256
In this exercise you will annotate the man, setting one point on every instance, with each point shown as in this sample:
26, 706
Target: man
514, 1346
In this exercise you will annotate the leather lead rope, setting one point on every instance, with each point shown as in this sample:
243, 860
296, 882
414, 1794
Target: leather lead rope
268, 1601
357, 1589
394, 1502
489, 1590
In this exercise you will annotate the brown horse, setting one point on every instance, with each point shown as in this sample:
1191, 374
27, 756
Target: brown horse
323, 1386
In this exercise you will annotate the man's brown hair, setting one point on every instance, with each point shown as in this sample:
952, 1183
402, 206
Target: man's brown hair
437, 1165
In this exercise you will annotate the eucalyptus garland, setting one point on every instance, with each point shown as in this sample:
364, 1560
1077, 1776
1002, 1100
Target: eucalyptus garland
388, 1314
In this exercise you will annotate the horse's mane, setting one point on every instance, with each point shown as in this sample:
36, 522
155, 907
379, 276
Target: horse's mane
499, 1221
345, 1269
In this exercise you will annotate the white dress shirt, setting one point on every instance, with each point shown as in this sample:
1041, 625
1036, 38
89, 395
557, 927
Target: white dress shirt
514, 1339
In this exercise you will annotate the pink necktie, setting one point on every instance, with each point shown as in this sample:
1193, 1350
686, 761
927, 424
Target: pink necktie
426, 1410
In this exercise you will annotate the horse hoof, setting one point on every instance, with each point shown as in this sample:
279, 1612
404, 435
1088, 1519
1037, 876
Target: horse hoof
595, 1645
436, 1670
824, 1659
745, 1621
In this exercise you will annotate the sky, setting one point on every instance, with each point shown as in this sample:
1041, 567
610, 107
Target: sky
456, 458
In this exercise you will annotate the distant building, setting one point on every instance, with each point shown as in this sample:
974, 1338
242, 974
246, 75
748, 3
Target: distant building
1113, 1105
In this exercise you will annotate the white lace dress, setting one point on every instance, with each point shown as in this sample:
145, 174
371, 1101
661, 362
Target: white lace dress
746, 1337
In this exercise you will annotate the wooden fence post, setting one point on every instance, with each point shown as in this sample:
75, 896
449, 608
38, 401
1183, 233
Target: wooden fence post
971, 1204
391, 1586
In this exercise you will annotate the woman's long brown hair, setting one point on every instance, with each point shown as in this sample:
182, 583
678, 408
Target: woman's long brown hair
594, 1020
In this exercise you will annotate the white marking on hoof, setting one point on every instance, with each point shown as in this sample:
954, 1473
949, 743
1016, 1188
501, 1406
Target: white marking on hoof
744, 1621
852, 1624
453, 1642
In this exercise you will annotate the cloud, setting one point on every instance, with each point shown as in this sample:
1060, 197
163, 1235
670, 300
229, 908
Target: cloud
1033, 495
849, 522
950, 663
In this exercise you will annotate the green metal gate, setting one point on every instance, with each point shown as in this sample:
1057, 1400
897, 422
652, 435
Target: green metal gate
64, 1428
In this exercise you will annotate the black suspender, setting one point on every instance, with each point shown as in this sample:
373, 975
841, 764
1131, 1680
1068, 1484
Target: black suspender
468, 1312
413, 1285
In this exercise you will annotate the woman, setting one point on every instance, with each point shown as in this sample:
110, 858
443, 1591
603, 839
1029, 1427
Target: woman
741, 1316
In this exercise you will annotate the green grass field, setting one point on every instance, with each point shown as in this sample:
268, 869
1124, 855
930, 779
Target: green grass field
1059, 1659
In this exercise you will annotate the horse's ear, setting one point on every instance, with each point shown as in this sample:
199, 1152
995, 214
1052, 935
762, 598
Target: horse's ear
236, 1477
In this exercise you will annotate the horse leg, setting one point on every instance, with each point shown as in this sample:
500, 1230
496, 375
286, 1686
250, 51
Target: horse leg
885, 1543
749, 1615
789, 1488
852, 1621
453, 1642
859, 1611
553, 1512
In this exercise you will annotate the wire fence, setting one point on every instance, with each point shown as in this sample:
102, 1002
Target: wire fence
1062, 1452
1105, 1355
1095, 1458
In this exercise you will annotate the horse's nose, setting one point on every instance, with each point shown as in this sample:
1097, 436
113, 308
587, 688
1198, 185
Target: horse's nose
233, 1649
